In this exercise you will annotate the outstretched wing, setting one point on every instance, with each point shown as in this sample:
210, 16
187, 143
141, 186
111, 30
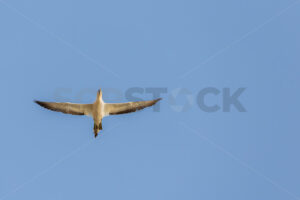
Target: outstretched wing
122, 108
68, 108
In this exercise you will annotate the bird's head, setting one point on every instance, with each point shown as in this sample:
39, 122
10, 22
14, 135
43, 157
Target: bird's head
99, 94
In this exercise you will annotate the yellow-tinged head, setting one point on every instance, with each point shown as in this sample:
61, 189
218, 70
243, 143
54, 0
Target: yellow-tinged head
99, 95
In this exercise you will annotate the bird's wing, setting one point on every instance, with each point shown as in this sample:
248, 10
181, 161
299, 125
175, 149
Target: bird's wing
122, 108
68, 108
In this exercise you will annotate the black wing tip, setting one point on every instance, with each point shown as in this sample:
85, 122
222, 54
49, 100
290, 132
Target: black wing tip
38, 102
43, 104
156, 100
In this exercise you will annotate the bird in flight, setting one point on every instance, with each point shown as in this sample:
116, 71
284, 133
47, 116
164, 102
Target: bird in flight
98, 109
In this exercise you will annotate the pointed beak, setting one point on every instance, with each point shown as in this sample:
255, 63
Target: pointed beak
99, 91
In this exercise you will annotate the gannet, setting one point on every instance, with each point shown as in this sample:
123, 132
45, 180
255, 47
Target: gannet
98, 109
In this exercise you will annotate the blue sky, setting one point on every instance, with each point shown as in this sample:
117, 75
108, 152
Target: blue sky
75, 47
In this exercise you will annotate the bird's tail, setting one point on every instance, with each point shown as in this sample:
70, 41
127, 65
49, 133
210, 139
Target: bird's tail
96, 129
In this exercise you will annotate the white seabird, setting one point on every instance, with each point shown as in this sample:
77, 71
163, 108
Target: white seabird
98, 109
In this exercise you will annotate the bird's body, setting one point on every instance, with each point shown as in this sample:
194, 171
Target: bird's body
98, 109
98, 114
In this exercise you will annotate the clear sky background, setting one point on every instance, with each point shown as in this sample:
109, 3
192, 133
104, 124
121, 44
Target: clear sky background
63, 49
